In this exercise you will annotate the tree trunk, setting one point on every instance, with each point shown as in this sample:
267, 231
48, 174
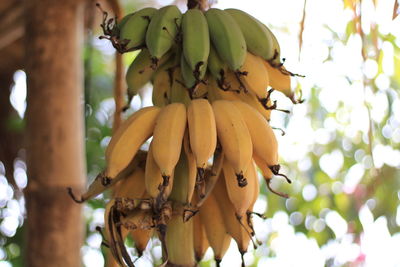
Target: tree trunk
55, 151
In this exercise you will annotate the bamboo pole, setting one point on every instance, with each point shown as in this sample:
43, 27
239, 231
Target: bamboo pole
55, 152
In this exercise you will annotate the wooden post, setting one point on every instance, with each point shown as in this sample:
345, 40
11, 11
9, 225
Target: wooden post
55, 151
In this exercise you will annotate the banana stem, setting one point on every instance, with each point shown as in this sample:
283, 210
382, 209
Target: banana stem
201, 4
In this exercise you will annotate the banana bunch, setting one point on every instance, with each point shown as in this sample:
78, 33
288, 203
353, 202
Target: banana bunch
207, 134
215, 44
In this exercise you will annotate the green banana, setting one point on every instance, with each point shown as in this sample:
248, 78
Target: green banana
122, 22
140, 72
189, 77
196, 41
258, 38
133, 29
227, 38
187, 73
276, 59
162, 31
217, 67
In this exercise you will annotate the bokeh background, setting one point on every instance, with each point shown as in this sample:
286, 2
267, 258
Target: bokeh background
341, 148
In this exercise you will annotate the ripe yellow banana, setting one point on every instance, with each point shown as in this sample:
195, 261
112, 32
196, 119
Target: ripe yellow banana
161, 86
258, 38
200, 241
141, 238
196, 41
168, 136
163, 79
241, 197
179, 242
184, 175
154, 181
226, 37
101, 183
279, 80
265, 144
211, 218
133, 29
215, 93
200, 90
202, 132
178, 92
128, 138
268, 175
162, 31
140, 71
256, 78
239, 232
133, 186
234, 137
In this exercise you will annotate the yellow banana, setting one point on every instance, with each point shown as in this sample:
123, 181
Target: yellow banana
255, 76
154, 182
162, 81
133, 187
202, 132
196, 42
161, 86
133, 29
140, 72
279, 80
211, 218
162, 31
239, 232
241, 197
268, 175
179, 242
200, 241
128, 138
234, 137
179, 93
141, 238
200, 90
215, 93
101, 183
226, 37
168, 137
184, 175
265, 144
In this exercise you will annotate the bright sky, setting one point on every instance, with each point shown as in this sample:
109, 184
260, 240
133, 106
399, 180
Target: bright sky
291, 248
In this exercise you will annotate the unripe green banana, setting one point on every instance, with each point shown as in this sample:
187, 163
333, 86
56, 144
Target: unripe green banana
196, 41
258, 37
187, 73
122, 22
217, 67
189, 76
134, 28
162, 31
226, 37
276, 59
